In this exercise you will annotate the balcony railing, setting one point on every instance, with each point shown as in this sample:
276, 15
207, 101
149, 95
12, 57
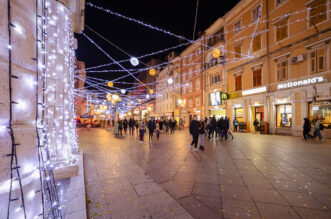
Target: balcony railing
215, 61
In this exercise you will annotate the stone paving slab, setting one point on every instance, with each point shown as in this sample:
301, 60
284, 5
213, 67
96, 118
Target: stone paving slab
252, 176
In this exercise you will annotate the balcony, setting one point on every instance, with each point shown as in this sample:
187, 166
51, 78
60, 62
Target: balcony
215, 61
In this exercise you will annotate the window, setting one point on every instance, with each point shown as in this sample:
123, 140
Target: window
282, 70
218, 37
190, 102
215, 79
238, 82
279, 2
257, 43
190, 87
197, 101
190, 72
257, 77
197, 84
256, 13
284, 115
317, 12
237, 51
281, 29
317, 60
237, 27
322, 111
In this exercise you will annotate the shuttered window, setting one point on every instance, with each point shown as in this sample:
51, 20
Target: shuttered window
237, 51
317, 60
257, 43
282, 29
238, 82
317, 12
257, 77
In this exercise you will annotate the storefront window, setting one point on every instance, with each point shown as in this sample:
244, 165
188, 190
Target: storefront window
239, 114
284, 115
322, 111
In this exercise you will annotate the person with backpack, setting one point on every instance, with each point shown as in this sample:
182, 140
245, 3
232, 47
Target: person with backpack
235, 124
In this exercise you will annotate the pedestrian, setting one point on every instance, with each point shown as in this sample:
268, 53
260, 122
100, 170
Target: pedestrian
166, 123
172, 125
225, 128
317, 129
158, 131
137, 127
161, 124
230, 128
235, 124
141, 134
125, 125
120, 128
202, 134
131, 126
255, 123
221, 128
194, 131
151, 128
306, 129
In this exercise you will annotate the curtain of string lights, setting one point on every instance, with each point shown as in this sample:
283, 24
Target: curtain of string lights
38, 121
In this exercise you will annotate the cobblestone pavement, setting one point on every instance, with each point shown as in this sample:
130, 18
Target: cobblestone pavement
252, 176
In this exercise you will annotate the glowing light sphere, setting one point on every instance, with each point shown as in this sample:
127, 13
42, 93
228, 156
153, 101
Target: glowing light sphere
170, 81
123, 91
152, 72
134, 61
147, 96
110, 84
151, 91
139, 100
115, 97
216, 53
105, 101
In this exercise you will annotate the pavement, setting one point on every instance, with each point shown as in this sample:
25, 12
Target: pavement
251, 176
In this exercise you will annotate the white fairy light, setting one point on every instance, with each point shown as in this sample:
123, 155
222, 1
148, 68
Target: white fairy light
9, 47
134, 61
170, 81
18, 28
123, 91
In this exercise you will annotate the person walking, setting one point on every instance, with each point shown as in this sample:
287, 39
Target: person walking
231, 124
202, 134
125, 125
306, 129
137, 126
194, 131
131, 126
161, 124
151, 127
141, 134
172, 125
221, 127
166, 123
158, 131
235, 124
120, 128
116, 128
317, 129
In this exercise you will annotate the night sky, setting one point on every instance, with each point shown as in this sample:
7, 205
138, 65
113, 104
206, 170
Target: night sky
176, 16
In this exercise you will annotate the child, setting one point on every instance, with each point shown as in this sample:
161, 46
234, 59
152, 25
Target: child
157, 131
141, 133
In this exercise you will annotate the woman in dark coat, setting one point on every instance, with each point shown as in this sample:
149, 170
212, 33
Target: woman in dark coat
306, 129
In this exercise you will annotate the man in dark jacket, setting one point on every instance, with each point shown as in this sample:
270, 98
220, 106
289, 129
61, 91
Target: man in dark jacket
194, 131
306, 129
212, 128
131, 126
151, 127
226, 128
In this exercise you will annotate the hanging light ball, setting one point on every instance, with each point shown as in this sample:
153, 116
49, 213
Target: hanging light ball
147, 96
134, 61
216, 53
151, 91
110, 84
123, 91
152, 71
115, 97
170, 81
139, 100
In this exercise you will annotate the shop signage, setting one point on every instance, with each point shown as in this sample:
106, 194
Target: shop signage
254, 91
300, 83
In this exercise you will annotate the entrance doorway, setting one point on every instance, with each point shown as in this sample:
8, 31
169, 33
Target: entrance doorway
258, 114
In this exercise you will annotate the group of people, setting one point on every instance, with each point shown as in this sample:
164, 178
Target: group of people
317, 126
157, 126
211, 127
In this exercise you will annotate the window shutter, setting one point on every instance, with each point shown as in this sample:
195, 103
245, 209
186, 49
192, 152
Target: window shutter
313, 62
321, 60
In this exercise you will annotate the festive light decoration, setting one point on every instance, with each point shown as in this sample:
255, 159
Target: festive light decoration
134, 61
123, 91
216, 53
152, 71
151, 91
170, 81
110, 84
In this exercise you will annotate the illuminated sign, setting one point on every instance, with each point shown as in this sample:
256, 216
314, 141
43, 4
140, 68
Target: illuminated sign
217, 98
254, 91
300, 83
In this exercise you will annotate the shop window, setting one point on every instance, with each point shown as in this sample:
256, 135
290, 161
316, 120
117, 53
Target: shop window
237, 27
318, 60
190, 102
317, 12
284, 115
257, 43
282, 70
282, 29
237, 51
197, 84
321, 110
197, 101
257, 77
256, 13
238, 82
239, 114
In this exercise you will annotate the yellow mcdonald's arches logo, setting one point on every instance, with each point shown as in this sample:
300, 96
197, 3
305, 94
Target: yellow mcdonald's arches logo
224, 96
